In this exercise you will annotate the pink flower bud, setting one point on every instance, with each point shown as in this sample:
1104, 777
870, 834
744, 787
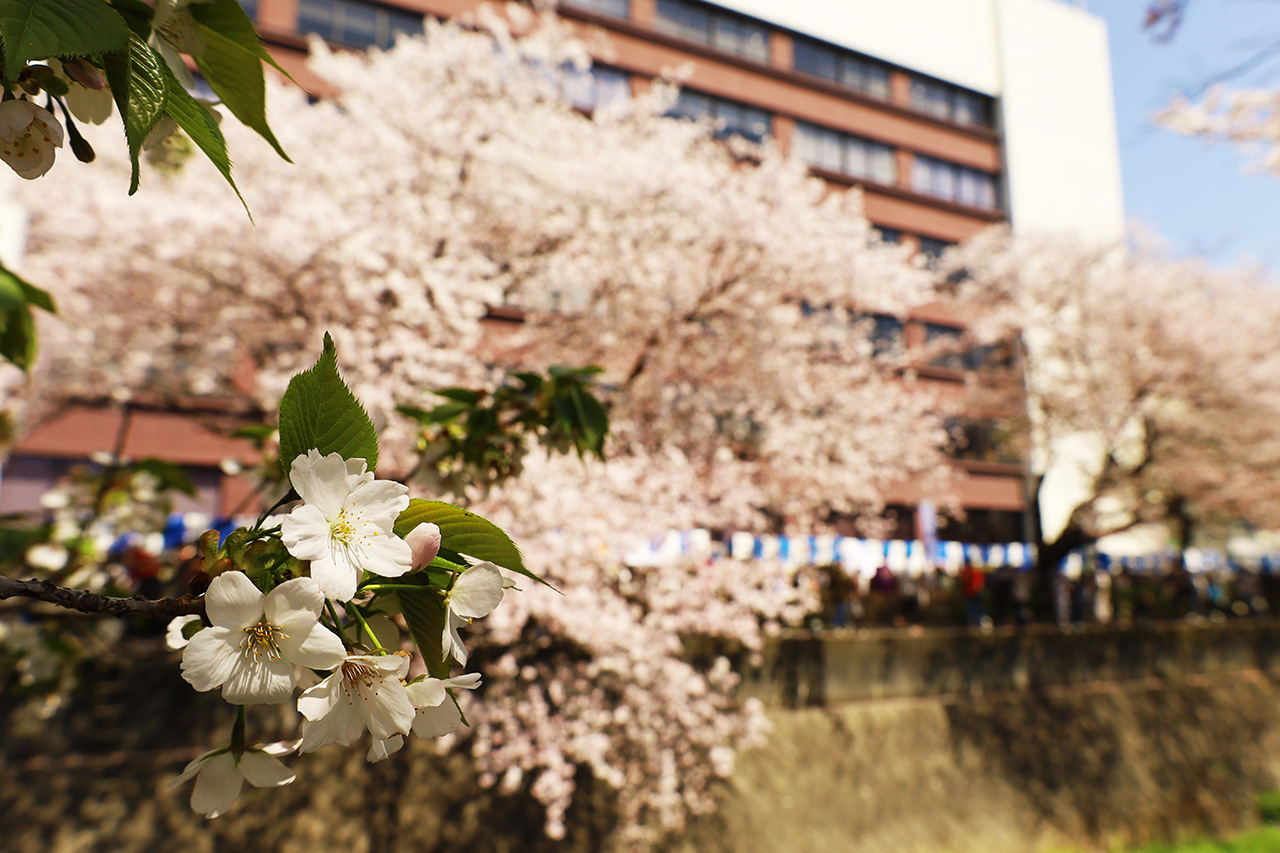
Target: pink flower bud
424, 540
85, 73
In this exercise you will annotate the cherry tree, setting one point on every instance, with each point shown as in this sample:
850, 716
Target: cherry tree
723, 293
1149, 384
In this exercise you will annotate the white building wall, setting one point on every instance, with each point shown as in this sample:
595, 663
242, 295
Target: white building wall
1058, 119
1045, 60
953, 40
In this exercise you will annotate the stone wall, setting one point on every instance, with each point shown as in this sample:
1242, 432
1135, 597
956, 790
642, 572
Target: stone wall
1104, 739
801, 668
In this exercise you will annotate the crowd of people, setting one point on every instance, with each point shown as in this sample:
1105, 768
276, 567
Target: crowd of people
1005, 595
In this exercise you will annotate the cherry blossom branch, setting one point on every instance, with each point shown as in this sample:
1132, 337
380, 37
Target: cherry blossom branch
161, 609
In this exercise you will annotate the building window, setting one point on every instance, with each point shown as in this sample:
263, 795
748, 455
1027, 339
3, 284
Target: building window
729, 117
953, 182
722, 30
355, 23
944, 343
841, 66
890, 235
950, 103
250, 8
617, 8
885, 332
932, 248
850, 155
982, 440
596, 87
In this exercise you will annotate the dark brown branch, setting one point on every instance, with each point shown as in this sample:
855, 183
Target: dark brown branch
161, 609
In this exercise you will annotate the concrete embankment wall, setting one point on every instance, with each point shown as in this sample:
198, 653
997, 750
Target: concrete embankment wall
941, 741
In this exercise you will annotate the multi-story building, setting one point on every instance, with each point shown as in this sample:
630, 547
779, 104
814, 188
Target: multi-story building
951, 115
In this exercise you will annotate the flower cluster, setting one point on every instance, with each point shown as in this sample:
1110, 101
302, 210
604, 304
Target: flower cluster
264, 630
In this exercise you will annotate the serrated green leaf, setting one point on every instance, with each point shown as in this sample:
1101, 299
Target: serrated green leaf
229, 18
319, 411
138, 84
199, 125
231, 63
465, 532
44, 29
425, 615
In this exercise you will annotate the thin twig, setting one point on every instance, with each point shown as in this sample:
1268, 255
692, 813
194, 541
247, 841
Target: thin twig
160, 609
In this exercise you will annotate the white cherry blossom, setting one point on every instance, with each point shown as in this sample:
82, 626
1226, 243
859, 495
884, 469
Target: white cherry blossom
475, 593
29, 134
435, 714
367, 691
220, 775
344, 526
257, 639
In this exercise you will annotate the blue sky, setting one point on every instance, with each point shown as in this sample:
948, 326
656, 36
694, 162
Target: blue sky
1201, 198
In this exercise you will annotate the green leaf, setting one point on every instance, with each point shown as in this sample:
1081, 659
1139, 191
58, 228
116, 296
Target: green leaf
232, 63
43, 29
425, 615
198, 124
171, 476
462, 395
446, 412
561, 371
138, 83
465, 533
257, 432
17, 326
319, 411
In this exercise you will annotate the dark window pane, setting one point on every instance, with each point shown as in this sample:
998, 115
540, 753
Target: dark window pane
812, 58
316, 16
619, 8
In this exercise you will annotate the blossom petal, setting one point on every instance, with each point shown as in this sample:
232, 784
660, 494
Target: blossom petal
261, 681
381, 500
393, 666
233, 601
306, 533
192, 769
217, 786
438, 720
294, 606
322, 481
387, 711
466, 681
380, 749
315, 648
335, 575
208, 659
387, 555
426, 693
173, 636
340, 725
451, 642
262, 771
477, 591
318, 701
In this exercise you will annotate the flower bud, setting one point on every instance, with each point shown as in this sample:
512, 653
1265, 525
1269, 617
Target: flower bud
424, 541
